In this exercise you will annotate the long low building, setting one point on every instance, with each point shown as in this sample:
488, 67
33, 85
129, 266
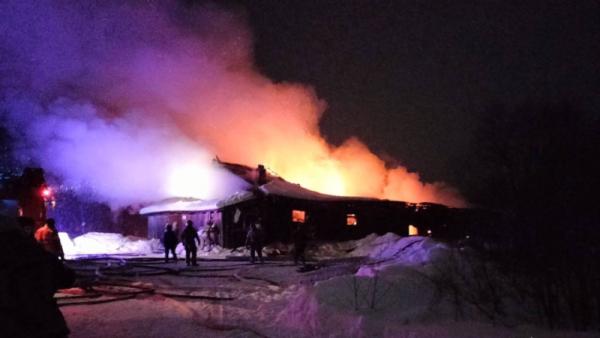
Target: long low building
281, 204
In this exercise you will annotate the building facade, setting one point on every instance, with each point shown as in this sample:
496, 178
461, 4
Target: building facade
280, 206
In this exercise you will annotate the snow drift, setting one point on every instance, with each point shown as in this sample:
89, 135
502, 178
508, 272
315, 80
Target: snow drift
100, 243
394, 299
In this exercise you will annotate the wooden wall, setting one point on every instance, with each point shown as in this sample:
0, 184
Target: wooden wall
157, 222
325, 220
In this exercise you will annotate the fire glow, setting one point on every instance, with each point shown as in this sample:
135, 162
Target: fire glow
192, 181
161, 96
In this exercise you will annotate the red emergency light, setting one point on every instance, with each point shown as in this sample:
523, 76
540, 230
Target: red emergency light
46, 192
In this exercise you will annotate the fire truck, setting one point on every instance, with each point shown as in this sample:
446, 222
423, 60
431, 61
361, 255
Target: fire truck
23, 198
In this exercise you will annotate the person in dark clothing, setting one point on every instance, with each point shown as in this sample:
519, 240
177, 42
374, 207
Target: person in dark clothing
300, 240
212, 234
28, 281
190, 240
170, 242
254, 241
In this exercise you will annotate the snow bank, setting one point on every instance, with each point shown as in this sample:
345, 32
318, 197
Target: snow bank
101, 243
67, 244
390, 248
385, 250
95, 243
391, 294
390, 290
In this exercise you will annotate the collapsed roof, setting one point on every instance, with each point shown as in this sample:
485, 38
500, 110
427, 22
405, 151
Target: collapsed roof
273, 185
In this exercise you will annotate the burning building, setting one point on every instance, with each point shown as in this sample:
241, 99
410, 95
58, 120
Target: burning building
281, 204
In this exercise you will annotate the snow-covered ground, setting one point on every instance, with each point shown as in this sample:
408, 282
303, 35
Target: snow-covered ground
101, 243
387, 249
387, 294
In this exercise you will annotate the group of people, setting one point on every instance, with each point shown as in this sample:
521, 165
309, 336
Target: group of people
255, 239
190, 241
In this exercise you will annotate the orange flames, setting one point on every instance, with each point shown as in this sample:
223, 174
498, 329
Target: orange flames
207, 85
161, 95
257, 121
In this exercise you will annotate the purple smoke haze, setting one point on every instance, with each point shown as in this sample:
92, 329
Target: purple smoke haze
78, 92
134, 99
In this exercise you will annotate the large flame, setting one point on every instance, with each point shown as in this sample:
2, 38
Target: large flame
136, 98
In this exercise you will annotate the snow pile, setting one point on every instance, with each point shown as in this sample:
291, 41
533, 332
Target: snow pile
359, 306
391, 295
67, 244
400, 290
95, 243
304, 316
180, 205
389, 291
101, 243
302, 312
412, 250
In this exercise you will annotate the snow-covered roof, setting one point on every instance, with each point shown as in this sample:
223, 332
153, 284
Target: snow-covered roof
236, 198
180, 205
280, 187
276, 187
283, 188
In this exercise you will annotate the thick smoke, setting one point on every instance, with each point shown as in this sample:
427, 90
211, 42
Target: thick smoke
136, 98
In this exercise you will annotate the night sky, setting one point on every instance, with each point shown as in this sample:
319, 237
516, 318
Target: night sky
416, 82
411, 78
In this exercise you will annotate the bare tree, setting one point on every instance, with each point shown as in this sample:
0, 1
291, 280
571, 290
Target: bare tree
538, 165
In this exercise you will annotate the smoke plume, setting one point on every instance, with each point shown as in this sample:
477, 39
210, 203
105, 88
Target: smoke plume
136, 98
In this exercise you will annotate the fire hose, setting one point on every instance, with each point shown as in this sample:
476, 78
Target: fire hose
99, 293
95, 274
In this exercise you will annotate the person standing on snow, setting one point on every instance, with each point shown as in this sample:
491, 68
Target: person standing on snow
254, 241
213, 233
300, 241
47, 237
170, 242
203, 234
190, 239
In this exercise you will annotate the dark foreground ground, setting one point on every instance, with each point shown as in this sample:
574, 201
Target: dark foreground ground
144, 297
